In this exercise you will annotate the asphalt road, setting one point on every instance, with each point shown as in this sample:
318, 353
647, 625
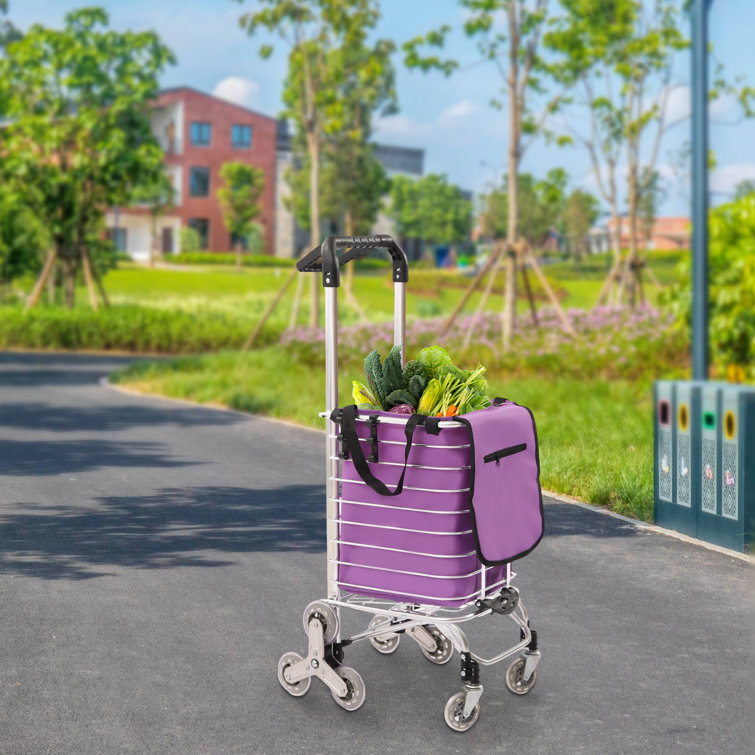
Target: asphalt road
155, 559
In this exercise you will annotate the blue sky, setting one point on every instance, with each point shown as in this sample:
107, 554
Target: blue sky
449, 117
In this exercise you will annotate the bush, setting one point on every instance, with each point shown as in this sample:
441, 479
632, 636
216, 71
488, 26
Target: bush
731, 276
229, 258
125, 328
189, 239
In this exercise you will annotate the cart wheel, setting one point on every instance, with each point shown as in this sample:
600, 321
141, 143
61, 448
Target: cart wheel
384, 643
355, 696
298, 688
326, 614
444, 650
454, 713
515, 678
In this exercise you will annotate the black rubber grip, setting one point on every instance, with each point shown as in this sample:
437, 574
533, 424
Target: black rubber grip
325, 258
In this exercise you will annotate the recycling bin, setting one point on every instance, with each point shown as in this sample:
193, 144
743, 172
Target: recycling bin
727, 510
664, 478
686, 448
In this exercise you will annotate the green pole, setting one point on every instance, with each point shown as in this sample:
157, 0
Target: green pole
700, 348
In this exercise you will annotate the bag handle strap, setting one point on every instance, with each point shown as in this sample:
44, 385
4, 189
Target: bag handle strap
348, 416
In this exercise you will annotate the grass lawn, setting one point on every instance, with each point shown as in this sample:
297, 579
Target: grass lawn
596, 437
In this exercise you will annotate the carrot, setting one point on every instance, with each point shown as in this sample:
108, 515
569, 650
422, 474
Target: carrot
451, 411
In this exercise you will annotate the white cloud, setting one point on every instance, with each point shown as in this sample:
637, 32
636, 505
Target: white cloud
724, 180
237, 90
400, 127
457, 112
678, 106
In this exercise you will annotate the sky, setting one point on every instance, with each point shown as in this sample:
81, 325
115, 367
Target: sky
450, 118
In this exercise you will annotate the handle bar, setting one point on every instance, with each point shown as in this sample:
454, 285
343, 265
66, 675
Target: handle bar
325, 259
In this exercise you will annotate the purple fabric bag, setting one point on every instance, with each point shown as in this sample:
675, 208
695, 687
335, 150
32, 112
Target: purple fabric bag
431, 521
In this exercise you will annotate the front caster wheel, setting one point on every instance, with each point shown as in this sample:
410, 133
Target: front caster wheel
297, 689
444, 650
354, 699
515, 678
326, 614
454, 713
384, 643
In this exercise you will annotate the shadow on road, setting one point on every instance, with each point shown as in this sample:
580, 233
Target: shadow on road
34, 458
177, 527
39, 416
29, 370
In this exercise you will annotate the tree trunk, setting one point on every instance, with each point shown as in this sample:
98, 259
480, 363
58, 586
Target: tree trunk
70, 265
512, 232
632, 217
313, 143
238, 250
43, 276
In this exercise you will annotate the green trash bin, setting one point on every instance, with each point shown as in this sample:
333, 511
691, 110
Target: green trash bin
727, 512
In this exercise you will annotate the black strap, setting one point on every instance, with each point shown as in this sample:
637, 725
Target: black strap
351, 439
497, 401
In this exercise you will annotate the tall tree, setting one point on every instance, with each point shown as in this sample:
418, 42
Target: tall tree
540, 204
650, 200
508, 34
240, 201
580, 212
78, 139
430, 208
8, 32
317, 32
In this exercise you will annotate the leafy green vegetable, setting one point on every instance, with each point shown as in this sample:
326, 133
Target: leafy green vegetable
400, 396
416, 386
435, 359
413, 368
373, 369
393, 378
363, 396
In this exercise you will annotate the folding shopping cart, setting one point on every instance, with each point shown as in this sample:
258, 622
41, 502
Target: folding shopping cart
406, 557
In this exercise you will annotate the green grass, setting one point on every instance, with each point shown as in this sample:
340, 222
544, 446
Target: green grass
596, 439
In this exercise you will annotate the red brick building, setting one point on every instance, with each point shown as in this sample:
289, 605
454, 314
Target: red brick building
668, 233
198, 133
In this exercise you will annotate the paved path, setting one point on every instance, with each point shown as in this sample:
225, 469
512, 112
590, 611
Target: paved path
155, 559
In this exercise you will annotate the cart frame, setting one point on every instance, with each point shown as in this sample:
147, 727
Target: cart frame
436, 629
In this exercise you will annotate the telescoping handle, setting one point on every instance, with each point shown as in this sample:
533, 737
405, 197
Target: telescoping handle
326, 258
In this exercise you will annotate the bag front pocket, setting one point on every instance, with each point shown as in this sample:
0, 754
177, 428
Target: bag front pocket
502, 453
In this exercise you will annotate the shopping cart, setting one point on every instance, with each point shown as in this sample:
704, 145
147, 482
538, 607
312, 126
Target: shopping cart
400, 596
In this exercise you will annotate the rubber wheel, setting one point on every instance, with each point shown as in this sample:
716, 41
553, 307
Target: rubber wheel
384, 643
299, 688
515, 678
454, 713
326, 614
355, 697
445, 649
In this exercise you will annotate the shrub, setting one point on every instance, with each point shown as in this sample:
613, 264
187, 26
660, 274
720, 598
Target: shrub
126, 328
189, 239
731, 276
229, 258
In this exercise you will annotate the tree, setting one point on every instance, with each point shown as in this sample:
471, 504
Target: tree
647, 207
8, 32
508, 35
240, 200
430, 208
540, 205
744, 189
317, 33
78, 139
22, 238
581, 210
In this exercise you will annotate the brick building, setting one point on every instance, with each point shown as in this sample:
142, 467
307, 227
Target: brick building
198, 133
668, 233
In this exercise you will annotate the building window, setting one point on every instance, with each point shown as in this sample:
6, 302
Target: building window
202, 227
200, 133
199, 182
241, 137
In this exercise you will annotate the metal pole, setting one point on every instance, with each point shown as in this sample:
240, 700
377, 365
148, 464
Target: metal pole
700, 348
399, 318
331, 450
